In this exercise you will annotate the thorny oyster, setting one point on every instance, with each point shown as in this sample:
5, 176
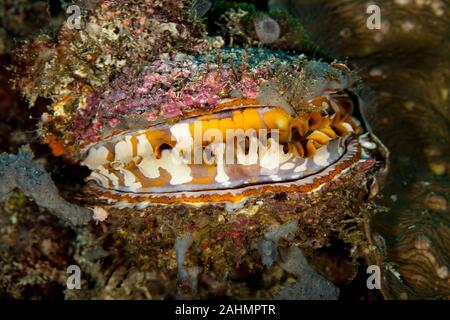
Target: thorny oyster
221, 147
239, 228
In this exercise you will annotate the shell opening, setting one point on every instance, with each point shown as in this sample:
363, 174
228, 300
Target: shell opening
226, 150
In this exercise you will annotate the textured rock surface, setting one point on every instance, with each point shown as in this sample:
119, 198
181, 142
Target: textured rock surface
406, 65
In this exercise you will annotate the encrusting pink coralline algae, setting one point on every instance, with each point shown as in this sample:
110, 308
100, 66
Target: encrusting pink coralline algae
166, 89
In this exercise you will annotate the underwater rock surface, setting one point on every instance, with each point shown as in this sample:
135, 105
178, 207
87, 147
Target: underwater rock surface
406, 66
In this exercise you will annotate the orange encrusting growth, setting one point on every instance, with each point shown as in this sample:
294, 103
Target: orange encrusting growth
56, 146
